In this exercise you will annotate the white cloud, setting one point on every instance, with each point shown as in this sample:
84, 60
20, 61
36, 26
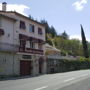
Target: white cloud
79, 5
78, 37
16, 7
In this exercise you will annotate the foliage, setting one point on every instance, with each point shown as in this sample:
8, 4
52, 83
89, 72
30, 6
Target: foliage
61, 41
71, 65
64, 35
84, 43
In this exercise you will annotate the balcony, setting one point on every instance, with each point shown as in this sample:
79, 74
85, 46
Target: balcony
8, 47
32, 39
32, 51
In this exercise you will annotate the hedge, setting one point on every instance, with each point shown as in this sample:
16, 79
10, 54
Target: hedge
72, 65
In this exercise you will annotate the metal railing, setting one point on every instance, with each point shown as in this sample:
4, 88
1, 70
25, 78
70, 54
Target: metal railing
30, 50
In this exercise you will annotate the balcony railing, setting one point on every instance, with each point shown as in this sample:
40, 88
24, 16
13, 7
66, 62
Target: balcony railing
9, 47
32, 51
32, 39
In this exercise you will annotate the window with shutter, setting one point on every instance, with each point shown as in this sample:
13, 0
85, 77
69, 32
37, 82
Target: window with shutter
40, 31
32, 45
31, 28
22, 25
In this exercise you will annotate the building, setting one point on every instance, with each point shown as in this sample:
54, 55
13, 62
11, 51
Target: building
54, 59
22, 50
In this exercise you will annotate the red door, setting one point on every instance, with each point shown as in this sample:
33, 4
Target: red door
25, 67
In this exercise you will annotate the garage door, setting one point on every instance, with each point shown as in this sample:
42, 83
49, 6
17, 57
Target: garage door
25, 67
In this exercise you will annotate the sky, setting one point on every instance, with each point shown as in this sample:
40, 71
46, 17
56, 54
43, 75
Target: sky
64, 15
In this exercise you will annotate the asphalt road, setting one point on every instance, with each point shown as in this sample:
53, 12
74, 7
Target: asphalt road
77, 80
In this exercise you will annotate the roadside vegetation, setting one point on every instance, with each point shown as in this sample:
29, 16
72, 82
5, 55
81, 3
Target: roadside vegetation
68, 46
72, 47
73, 65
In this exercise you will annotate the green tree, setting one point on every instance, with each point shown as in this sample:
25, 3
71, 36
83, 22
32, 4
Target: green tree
53, 31
64, 35
89, 48
31, 17
47, 27
84, 43
50, 32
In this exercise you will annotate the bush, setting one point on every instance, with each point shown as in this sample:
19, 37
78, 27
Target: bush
71, 65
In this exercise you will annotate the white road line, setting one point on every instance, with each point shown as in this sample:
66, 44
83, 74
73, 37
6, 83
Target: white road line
41, 88
70, 79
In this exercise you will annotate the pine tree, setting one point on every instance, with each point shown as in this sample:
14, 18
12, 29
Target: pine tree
64, 35
84, 43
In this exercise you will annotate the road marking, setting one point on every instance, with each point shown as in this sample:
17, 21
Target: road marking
41, 88
70, 79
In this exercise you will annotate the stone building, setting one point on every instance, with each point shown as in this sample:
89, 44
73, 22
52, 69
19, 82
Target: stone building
22, 49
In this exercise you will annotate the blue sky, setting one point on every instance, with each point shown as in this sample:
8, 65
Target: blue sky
62, 14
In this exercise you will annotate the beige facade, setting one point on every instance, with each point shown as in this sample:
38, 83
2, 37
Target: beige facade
20, 45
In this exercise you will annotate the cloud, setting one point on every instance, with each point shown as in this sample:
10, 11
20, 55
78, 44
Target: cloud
75, 37
78, 37
16, 7
79, 5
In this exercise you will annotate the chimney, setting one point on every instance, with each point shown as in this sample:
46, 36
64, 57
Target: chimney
4, 6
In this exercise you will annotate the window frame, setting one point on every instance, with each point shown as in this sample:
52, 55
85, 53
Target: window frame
32, 45
40, 32
22, 25
40, 46
31, 28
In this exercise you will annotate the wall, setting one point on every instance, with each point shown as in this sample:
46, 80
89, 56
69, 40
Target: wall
10, 62
6, 64
8, 26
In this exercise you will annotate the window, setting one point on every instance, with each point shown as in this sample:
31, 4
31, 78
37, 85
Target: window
27, 44
32, 45
40, 46
39, 31
1, 32
22, 25
31, 28
22, 44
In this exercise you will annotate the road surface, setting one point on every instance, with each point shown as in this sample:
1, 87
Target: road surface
77, 80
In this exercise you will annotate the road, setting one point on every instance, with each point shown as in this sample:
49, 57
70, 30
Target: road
76, 80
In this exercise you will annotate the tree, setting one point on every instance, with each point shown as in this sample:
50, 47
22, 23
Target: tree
53, 31
64, 35
84, 43
45, 23
50, 32
31, 17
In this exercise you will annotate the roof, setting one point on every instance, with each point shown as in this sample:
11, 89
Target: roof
8, 17
24, 17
